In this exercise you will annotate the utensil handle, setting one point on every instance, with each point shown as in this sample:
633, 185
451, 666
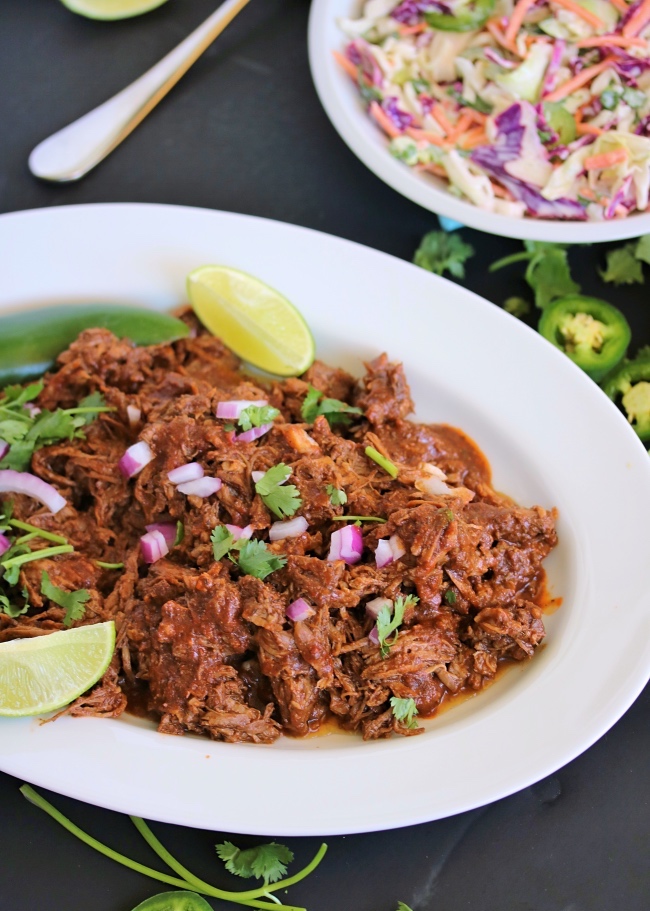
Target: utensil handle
72, 152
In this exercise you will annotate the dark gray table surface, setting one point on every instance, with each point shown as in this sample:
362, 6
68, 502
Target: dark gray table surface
244, 132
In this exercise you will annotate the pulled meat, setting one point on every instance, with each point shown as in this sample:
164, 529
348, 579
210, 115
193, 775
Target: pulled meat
212, 648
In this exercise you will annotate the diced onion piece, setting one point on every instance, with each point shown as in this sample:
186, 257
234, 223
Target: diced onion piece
202, 487
191, 471
153, 546
257, 475
373, 636
135, 458
166, 529
290, 529
33, 409
300, 610
373, 607
4, 449
346, 544
248, 436
231, 410
31, 486
384, 553
396, 546
133, 414
238, 532
5, 544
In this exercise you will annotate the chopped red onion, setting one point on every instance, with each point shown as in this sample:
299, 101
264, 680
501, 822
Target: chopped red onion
346, 544
203, 487
191, 471
232, 410
5, 544
384, 553
257, 475
291, 529
248, 436
28, 484
133, 414
135, 458
396, 546
153, 546
33, 409
373, 636
300, 610
4, 449
167, 529
373, 607
238, 532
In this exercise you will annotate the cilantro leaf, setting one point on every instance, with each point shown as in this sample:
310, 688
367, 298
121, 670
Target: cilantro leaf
623, 267
402, 907
642, 251
338, 497
222, 541
73, 602
450, 596
387, 624
404, 710
256, 560
256, 415
440, 252
549, 276
267, 862
335, 411
280, 500
517, 306
6, 607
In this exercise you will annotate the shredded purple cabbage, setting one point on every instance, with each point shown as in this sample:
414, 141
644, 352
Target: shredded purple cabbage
625, 196
401, 119
409, 12
644, 127
631, 11
358, 52
626, 65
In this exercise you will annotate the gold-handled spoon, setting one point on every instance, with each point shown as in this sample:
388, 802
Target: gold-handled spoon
76, 149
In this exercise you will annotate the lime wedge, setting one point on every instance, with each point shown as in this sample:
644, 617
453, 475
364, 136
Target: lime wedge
47, 672
111, 9
257, 322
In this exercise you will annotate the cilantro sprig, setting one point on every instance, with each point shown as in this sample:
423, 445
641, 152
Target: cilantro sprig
267, 862
547, 272
256, 415
281, 500
184, 879
336, 412
624, 264
74, 602
27, 431
381, 460
405, 711
441, 252
253, 557
338, 497
387, 624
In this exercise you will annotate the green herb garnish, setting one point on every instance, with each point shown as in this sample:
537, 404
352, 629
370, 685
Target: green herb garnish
405, 710
335, 411
623, 265
222, 541
451, 596
547, 271
376, 456
180, 534
103, 565
12, 610
255, 559
337, 496
387, 624
441, 252
73, 602
517, 306
357, 519
256, 415
281, 500
267, 862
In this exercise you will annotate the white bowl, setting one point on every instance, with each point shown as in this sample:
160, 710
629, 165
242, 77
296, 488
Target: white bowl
345, 109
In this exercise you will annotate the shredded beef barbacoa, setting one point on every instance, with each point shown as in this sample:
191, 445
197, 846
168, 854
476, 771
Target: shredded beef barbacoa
212, 648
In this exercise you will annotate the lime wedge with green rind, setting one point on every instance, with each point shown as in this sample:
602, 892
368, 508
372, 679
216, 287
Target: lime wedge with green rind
44, 673
111, 9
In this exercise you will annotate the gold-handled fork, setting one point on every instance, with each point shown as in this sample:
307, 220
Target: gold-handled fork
73, 151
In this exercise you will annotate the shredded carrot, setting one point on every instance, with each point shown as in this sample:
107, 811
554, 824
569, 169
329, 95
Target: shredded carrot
516, 20
616, 40
588, 193
604, 201
583, 128
501, 192
439, 115
426, 135
462, 124
582, 78
638, 20
585, 14
434, 169
475, 137
579, 114
347, 65
412, 29
476, 116
605, 160
620, 5
383, 120
493, 28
